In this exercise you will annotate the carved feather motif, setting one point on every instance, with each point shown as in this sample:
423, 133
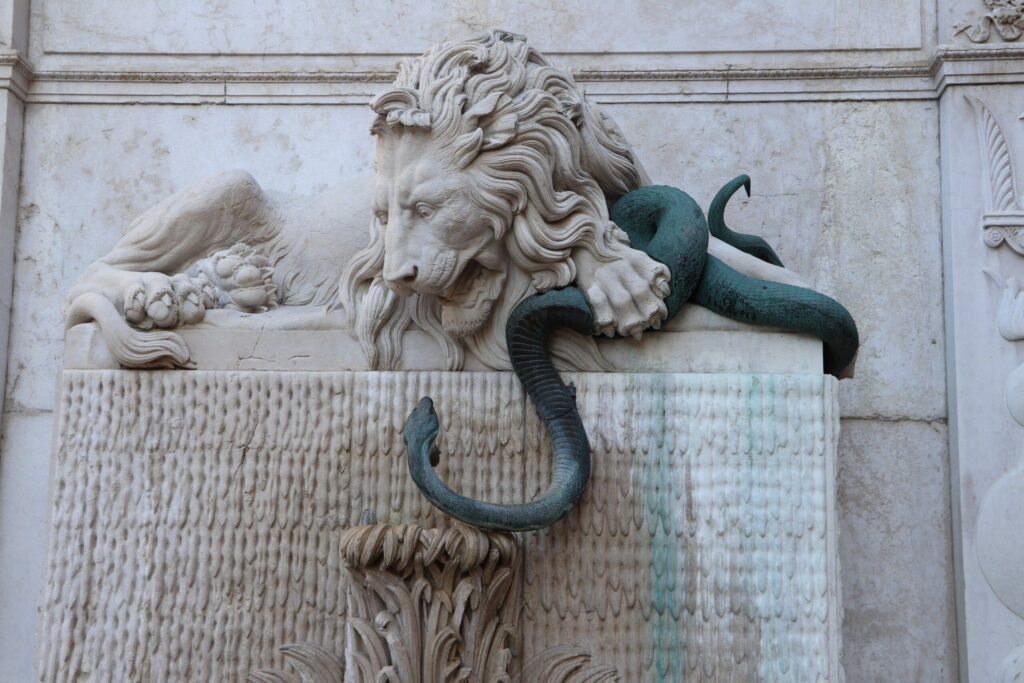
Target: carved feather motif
999, 167
1003, 220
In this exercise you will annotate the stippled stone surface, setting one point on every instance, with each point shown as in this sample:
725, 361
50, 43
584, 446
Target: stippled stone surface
200, 512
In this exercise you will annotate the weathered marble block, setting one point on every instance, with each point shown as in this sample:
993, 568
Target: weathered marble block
197, 517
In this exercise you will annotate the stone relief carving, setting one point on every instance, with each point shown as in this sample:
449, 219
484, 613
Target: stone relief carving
559, 664
510, 221
490, 231
501, 110
999, 552
1000, 555
1003, 220
1011, 669
1005, 16
433, 605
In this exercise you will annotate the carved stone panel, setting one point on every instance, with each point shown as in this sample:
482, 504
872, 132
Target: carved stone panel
1002, 20
204, 513
984, 315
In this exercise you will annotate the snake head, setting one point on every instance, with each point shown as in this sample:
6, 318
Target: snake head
422, 426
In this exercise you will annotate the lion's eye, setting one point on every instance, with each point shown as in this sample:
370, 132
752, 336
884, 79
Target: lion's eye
424, 210
382, 217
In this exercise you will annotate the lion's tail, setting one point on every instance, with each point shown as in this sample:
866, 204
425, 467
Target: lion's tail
130, 347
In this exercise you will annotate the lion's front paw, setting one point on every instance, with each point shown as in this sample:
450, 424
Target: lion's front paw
158, 300
625, 294
240, 278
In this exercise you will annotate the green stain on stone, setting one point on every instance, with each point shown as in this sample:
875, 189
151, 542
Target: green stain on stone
666, 571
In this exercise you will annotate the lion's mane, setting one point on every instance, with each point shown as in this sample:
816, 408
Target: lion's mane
546, 163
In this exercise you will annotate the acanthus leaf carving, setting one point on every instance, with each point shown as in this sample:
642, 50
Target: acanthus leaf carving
1012, 667
567, 664
310, 664
428, 604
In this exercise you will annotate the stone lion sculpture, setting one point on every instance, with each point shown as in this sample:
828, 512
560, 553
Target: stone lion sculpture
513, 170
490, 228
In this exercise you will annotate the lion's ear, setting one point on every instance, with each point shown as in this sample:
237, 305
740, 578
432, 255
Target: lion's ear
484, 107
501, 132
495, 135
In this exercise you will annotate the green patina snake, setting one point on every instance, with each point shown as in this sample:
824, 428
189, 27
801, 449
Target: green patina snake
668, 225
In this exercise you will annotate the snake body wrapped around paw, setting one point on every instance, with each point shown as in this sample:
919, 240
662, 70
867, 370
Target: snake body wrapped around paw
668, 225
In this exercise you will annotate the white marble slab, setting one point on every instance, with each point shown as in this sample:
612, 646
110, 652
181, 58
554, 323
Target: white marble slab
201, 513
696, 341
391, 26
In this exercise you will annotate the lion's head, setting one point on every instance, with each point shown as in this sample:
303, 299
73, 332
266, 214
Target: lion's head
492, 169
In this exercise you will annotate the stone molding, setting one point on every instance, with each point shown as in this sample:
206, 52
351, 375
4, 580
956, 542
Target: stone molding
918, 79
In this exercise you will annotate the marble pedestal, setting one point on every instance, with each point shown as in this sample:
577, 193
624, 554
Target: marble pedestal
198, 514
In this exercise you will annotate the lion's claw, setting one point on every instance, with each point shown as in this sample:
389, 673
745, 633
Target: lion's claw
232, 278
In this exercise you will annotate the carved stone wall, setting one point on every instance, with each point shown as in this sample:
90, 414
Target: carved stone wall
199, 515
850, 118
984, 233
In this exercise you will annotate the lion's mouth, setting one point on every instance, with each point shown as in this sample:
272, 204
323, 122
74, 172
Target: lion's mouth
468, 303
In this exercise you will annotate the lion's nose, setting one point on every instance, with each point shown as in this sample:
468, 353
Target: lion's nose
401, 278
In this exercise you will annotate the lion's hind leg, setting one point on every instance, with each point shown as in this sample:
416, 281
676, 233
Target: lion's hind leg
139, 290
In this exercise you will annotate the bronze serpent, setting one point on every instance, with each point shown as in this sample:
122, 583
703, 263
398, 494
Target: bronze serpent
668, 225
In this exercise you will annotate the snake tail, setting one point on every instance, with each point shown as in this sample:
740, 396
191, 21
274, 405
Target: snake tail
527, 333
773, 304
751, 244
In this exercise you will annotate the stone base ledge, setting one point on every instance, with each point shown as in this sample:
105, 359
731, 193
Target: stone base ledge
298, 339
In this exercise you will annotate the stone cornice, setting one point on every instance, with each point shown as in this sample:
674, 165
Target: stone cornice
381, 76
925, 79
16, 74
950, 53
